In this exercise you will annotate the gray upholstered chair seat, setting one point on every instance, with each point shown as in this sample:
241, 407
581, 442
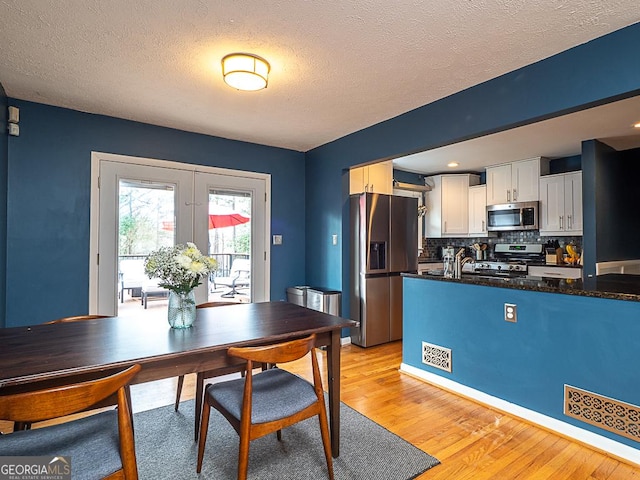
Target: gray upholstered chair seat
276, 394
91, 443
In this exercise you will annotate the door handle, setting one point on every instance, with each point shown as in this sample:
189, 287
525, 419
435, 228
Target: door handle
515, 195
508, 195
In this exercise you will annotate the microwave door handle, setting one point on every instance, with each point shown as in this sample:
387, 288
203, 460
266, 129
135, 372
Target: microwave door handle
522, 217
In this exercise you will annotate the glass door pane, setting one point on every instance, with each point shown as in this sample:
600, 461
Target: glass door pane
230, 244
146, 221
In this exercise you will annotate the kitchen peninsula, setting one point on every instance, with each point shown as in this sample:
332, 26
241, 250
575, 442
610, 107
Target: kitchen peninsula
562, 358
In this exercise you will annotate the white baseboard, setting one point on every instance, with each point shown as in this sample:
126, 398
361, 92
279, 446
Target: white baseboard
586, 437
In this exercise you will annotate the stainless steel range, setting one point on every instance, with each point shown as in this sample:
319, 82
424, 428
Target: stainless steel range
510, 260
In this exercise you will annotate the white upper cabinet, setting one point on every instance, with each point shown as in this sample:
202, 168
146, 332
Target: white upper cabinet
375, 178
515, 181
478, 210
448, 205
561, 204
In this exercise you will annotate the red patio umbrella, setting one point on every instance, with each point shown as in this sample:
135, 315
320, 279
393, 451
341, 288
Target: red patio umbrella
217, 220
231, 219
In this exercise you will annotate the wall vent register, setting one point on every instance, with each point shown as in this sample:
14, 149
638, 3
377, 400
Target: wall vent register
604, 412
436, 356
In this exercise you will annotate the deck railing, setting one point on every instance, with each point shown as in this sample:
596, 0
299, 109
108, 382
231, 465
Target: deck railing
225, 260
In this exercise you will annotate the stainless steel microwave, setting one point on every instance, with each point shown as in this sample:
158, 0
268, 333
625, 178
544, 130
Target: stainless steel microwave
512, 216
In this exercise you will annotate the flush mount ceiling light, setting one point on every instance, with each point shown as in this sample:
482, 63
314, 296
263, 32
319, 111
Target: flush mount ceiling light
452, 164
245, 71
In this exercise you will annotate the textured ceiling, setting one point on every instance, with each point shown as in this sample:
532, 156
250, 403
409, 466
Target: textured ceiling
336, 67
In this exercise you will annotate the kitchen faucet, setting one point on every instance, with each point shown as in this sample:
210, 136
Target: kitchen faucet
460, 261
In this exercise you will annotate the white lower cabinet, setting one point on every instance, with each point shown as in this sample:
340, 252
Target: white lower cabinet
553, 271
561, 204
425, 267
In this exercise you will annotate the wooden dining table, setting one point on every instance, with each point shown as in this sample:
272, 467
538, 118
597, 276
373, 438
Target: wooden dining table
38, 355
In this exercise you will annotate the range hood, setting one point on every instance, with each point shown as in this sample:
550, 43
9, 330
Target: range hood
411, 186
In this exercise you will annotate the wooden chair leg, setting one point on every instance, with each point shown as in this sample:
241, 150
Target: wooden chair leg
179, 391
279, 435
326, 442
243, 457
204, 427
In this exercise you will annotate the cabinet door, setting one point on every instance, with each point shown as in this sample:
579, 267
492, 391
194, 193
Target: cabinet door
499, 184
455, 205
525, 178
380, 178
551, 204
573, 203
478, 210
356, 180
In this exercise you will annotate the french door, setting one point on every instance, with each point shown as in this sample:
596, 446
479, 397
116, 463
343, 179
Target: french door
139, 205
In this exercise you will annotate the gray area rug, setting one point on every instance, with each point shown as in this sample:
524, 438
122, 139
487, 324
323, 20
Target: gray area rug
166, 450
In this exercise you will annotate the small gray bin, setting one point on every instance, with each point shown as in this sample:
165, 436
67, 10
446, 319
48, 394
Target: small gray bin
324, 300
297, 295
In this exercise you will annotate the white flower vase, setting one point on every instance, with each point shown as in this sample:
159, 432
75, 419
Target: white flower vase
182, 309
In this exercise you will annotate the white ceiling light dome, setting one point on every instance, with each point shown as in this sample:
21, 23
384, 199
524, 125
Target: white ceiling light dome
245, 71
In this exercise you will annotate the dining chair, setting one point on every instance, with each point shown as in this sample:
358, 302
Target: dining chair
201, 376
26, 425
267, 401
101, 445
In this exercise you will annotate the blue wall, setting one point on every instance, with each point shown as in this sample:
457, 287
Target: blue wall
49, 191
558, 339
4, 155
597, 72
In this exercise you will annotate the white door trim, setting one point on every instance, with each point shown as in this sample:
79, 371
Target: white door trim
94, 223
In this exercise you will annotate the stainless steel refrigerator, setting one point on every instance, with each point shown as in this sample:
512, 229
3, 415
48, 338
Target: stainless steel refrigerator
384, 244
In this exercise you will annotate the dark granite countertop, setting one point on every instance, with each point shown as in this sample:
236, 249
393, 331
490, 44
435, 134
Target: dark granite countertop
613, 286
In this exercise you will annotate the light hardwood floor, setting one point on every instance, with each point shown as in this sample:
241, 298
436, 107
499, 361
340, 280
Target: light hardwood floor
471, 440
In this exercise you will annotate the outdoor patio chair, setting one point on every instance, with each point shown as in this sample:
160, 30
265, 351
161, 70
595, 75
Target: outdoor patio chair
151, 289
240, 276
131, 276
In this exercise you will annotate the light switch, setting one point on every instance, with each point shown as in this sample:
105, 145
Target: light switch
277, 239
334, 239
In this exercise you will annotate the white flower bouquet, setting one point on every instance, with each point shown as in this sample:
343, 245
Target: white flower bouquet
180, 268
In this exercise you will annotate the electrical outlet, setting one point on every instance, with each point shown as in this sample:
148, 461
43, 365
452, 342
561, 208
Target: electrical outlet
334, 239
277, 239
510, 312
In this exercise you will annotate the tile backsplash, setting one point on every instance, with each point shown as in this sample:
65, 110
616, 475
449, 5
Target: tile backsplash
432, 247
